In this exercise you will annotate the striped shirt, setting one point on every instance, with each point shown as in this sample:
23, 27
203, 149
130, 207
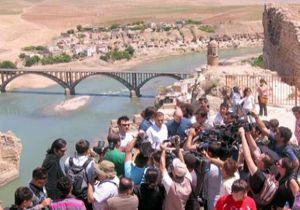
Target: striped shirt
69, 203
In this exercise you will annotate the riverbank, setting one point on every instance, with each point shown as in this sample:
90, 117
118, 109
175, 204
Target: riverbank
37, 82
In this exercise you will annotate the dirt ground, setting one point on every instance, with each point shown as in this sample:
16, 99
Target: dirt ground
32, 22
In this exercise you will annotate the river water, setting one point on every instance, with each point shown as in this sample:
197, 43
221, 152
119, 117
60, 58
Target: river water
29, 112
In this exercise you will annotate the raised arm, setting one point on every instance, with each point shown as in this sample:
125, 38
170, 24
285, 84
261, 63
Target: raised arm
129, 147
252, 145
261, 124
251, 165
163, 160
189, 142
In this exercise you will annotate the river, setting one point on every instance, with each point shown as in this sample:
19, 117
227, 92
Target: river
29, 112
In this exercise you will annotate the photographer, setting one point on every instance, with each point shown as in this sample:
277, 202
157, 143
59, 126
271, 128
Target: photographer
193, 133
279, 140
259, 177
115, 155
178, 188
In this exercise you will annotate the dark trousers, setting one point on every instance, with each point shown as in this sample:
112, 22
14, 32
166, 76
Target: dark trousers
262, 108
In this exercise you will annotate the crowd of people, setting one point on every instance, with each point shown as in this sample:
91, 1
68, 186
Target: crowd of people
231, 160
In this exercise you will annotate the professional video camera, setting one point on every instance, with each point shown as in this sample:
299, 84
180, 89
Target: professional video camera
227, 135
203, 164
99, 149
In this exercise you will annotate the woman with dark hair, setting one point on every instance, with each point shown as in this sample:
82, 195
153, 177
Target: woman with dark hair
148, 115
150, 193
288, 186
52, 165
263, 92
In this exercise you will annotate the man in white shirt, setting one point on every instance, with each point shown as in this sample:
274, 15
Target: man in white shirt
158, 132
219, 117
106, 187
123, 125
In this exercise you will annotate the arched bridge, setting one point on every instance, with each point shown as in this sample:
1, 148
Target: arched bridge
69, 79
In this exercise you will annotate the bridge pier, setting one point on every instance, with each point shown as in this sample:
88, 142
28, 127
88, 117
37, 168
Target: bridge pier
135, 93
2, 90
69, 91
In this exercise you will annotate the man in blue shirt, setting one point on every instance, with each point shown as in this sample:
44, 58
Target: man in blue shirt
279, 140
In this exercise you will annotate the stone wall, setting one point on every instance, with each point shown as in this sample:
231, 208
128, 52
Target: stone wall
10, 151
281, 48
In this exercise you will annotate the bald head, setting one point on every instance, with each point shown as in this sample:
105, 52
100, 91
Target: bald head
125, 186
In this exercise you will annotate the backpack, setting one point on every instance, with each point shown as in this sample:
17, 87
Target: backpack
268, 191
79, 178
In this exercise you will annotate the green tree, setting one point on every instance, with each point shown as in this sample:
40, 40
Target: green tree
32, 60
130, 50
7, 65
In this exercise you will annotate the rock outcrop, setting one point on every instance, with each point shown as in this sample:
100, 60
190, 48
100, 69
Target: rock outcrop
10, 151
281, 49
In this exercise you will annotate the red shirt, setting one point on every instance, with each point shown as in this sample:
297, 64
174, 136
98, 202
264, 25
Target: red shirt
227, 202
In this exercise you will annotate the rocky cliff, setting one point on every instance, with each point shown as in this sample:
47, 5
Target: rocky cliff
281, 48
10, 151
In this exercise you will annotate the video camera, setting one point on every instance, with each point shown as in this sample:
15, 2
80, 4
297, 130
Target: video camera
101, 148
227, 135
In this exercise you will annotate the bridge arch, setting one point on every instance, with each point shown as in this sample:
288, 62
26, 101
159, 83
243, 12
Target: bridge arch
111, 75
158, 75
49, 76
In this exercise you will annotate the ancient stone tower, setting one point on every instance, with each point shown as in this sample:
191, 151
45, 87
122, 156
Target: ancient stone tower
212, 53
281, 51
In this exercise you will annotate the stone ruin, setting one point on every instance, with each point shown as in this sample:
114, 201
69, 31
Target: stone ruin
281, 50
10, 152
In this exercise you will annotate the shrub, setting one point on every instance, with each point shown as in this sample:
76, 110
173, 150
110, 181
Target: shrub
81, 36
22, 56
80, 55
28, 48
193, 22
130, 50
35, 48
7, 65
71, 31
79, 27
259, 61
113, 26
207, 28
63, 58
29, 61
118, 55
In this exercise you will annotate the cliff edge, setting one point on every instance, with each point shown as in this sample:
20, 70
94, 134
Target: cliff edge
10, 152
